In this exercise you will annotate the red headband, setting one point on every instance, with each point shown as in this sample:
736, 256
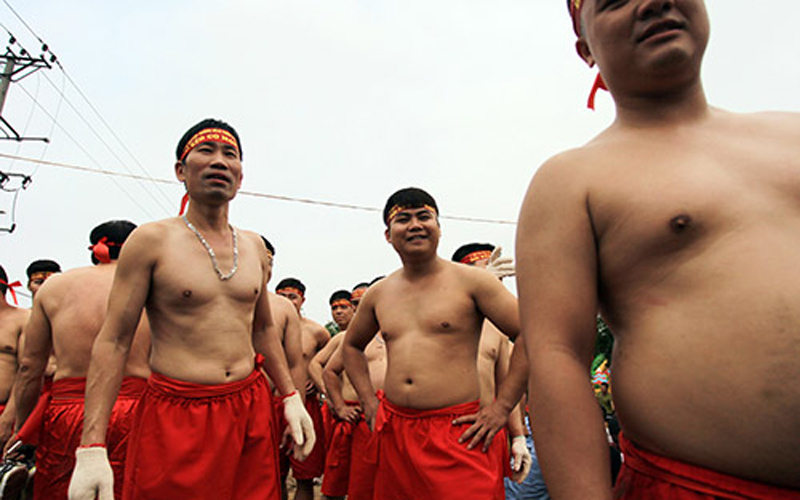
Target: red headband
101, 249
290, 289
473, 257
397, 209
11, 288
358, 293
341, 302
209, 135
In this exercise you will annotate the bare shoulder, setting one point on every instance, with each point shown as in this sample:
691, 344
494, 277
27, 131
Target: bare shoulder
148, 238
774, 123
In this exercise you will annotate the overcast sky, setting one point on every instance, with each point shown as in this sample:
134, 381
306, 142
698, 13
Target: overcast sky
338, 101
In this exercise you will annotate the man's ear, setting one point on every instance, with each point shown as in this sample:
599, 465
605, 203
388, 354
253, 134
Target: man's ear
582, 48
179, 166
386, 235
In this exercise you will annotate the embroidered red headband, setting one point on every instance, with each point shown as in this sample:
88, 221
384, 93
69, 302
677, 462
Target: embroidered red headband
11, 289
290, 289
209, 135
397, 209
341, 302
473, 257
358, 293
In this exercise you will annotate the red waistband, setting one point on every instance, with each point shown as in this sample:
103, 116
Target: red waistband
173, 387
698, 478
75, 387
448, 411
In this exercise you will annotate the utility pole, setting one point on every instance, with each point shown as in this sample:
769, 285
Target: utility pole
17, 66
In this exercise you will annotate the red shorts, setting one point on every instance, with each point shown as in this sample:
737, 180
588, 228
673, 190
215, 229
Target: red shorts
314, 465
203, 442
61, 435
420, 456
645, 475
351, 461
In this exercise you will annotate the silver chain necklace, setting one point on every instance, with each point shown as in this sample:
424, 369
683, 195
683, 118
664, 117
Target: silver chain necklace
222, 277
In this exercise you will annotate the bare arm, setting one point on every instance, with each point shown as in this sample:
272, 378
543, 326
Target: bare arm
361, 331
38, 343
266, 338
557, 282
332, 375
318, 362
292, 345
516, 426
500, 307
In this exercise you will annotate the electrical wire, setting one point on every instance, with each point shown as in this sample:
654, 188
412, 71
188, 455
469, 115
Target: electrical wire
254, 194
89, 155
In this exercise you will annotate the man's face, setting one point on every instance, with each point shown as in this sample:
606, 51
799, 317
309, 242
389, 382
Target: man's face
211, 171
414, 231
34, 285
644, 42
36, 281
355, 299
342, 313
293, 296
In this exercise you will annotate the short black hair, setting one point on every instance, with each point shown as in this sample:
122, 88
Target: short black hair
115, 232
291, 283
268, 245
4, 277
363, 284
376, 279
408, 197
207, 123
42, 266
467, 249
338, 295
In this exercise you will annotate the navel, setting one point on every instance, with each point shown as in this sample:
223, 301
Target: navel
680, 223
187, 294
445, 324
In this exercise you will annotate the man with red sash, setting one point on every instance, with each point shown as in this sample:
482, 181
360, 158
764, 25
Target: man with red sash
352, 460
314, 337
679, 224
12, 324
430, 313
200, 430
67, 313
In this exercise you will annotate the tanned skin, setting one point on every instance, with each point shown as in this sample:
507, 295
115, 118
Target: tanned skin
679, 223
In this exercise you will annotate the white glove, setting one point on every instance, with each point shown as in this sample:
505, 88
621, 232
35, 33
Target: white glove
300, 424
92, 477
521, 459
501, 267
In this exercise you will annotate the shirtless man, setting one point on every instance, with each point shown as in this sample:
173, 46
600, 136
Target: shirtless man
38, 271
494, 354
680, 224
352, 461
68, 311
200, 431
314, 337
430, 313
12, 323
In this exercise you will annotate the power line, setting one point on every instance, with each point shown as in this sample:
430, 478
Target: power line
88, 154
55, 60
254, 194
